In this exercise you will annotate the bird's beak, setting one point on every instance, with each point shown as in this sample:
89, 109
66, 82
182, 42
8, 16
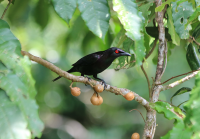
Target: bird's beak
125, 54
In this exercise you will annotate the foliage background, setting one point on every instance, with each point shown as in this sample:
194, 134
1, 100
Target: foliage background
43, 33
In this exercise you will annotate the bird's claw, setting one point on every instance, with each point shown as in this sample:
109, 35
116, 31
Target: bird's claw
105, 85
88, 79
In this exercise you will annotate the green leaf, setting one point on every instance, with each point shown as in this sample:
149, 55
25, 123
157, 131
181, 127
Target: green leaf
170, 113
125, 62
1, 1
146, 42
196, 32
13, 1
167, 110
192, 119
41, 13
145, 11
132, 61
65, 8
133, 23
174, 36
119, 39
170, 46
22, 10
162, 6
192, 58
153, 32
11, 119
181, 91
16, 79
96, 15
193, 16
180, 13
195, 135
130, 17
197, 3
178, 132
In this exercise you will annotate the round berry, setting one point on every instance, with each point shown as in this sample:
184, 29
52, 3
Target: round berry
94, 99
98, 88
135, 136
129, 96
100, 100
75, 91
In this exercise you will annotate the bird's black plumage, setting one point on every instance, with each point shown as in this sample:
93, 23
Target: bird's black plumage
97, 62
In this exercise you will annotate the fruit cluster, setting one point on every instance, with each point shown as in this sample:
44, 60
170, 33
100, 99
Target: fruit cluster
96, 99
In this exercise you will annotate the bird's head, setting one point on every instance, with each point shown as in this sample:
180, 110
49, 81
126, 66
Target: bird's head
116, 52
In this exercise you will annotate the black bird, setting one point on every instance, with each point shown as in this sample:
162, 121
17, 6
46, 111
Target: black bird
97, 62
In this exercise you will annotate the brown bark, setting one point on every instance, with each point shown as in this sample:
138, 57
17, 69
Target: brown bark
150, 125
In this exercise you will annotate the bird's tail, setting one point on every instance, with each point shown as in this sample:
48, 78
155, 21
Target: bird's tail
69, 71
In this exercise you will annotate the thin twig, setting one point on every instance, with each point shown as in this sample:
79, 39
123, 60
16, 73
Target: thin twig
180, 81
182, 103
195, 40
142, 67
177, 76
112, 89
90, 84
71, 84
124, 67
93, 88
149, 86
6, 9
139, 112
151, 51
165, 9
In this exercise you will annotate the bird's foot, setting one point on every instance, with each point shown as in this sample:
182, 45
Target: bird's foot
104, 83
88, 79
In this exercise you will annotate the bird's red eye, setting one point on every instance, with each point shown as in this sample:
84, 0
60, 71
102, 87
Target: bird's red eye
116, 51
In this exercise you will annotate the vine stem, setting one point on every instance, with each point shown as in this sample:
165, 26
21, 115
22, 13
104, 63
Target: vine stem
10, 1
139, 112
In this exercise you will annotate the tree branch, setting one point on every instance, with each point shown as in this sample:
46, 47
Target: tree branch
73, 78
166, 50
195, 40
151, 51
10, 1
150, 125
177, 76
149, 86
180, 81
142, 67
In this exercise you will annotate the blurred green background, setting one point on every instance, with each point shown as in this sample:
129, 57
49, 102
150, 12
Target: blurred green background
43, 33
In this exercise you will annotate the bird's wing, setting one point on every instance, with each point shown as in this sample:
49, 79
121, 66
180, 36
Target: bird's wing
89, 59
